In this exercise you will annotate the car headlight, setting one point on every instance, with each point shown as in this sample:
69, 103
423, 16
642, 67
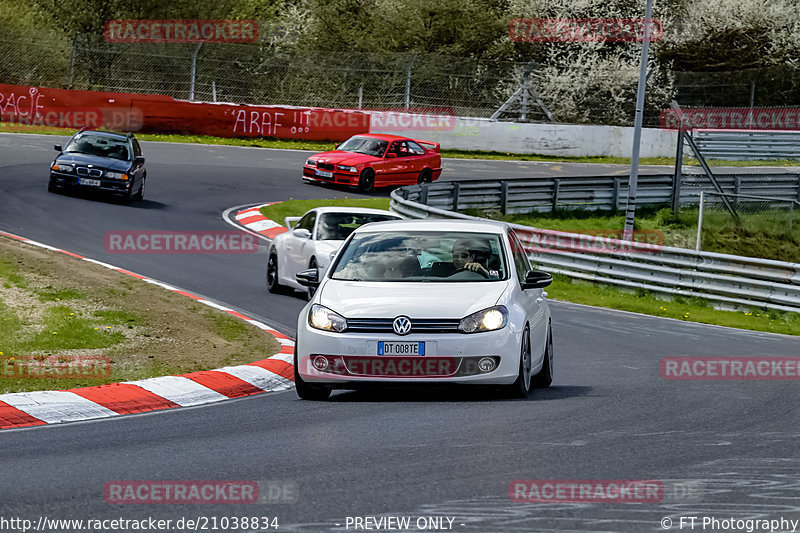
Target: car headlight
320, 317
63, 167
489, 319
311, 163
116, 175
346, 168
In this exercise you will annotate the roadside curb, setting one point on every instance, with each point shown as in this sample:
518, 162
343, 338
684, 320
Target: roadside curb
253, 220
273, 374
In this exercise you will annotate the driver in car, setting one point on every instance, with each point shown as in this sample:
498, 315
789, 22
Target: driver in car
472, 254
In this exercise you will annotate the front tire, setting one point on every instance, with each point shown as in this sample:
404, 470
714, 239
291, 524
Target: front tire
522, 385
140, 195
544, 378
307, 391
272, 272
366, 182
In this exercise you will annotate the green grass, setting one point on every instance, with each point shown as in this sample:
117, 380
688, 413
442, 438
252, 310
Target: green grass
55, 295
295, 208
64, 329
321, 146
688, 309
764, 234
10, 275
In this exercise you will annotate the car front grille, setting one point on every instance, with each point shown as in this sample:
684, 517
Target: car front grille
418, 325
93, 172
325, 166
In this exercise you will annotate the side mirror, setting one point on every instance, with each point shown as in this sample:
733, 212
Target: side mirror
308, 278
139, 160
57, 148
536, 279
391, 155
302, 233
336, 146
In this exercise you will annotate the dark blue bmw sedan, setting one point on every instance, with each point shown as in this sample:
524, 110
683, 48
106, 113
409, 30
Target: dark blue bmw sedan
100, 160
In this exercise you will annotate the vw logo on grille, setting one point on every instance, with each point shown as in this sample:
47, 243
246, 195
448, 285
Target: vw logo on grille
402, 325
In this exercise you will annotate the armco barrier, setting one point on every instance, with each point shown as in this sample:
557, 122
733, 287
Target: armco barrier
164, 114
727, 280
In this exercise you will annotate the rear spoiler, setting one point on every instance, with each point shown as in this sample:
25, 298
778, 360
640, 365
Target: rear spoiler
428, 145
290, 221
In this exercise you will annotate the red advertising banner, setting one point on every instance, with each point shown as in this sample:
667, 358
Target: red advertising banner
164, 114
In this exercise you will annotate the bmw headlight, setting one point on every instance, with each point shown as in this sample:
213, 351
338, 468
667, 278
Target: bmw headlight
116, 175
63, 167
489, 319
311, 163
320, 317
346, 168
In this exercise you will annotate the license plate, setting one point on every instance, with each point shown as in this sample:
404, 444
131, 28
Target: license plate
401, 348
324, 173
87, 181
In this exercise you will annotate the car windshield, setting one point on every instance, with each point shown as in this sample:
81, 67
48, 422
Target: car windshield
100, 145
339, 226
443, 256
364, 145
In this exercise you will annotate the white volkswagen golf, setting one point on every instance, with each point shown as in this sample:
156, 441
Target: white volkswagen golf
425, 301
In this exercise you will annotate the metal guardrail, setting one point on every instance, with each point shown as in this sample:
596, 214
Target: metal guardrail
748, 145
594, 192
728, 280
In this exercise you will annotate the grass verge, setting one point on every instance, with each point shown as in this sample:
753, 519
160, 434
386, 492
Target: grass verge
577, 291
56, 306
321, 146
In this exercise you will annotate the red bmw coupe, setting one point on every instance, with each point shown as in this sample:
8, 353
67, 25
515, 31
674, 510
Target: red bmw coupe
372, 160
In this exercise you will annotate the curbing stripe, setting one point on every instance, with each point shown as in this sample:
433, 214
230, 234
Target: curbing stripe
124, 398
54, 406
179, 390
11, 417
24, 409
223, 383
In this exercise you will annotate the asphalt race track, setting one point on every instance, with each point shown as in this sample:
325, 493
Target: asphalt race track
609, 415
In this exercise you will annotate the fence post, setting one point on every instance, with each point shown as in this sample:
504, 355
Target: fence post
737, 183
676, 180
700, 222
616, 194
408, 81
194, 69
456, 192
556, 187
423, 194
504, 197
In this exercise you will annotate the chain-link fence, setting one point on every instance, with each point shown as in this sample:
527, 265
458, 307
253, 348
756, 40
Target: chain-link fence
259, 73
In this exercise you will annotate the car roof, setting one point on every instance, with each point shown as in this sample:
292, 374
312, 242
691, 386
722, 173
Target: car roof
334, 209
439, 224
106, 133
384, 136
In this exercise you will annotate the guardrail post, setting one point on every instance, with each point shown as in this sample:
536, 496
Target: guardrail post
676, 179
404, 193
456, 192
423, 194
616, 194
504, 197
556, 187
